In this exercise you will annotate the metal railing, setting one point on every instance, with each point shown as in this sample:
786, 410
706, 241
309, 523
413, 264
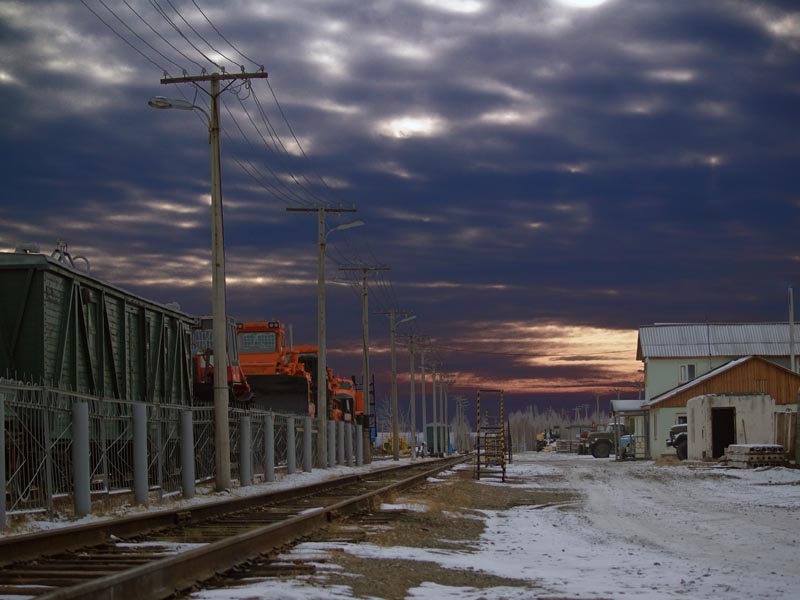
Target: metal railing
36, 448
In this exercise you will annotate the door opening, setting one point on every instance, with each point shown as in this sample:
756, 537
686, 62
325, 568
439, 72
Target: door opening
723, 430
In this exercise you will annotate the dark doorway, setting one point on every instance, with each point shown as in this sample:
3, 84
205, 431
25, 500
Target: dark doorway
723, 430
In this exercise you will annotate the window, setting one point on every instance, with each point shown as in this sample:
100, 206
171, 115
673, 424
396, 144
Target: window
257, 343
687, 373
681, 419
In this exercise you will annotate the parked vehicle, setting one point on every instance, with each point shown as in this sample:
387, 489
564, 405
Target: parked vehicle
678, 439
547, 437
203, 364
601, 444
278, 377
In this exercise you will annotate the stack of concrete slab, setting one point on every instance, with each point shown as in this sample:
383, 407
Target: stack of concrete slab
747, 456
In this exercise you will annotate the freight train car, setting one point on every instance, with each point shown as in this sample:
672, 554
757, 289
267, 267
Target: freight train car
62, 327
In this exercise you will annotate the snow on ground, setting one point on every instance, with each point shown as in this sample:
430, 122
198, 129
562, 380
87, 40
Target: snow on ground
38, 521
639, 531
401, 507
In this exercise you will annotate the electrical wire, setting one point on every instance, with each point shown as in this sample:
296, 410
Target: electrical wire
291, 174
124, 39
293, 197
303, 152
213, 49
219, 33
165, 40
166, 17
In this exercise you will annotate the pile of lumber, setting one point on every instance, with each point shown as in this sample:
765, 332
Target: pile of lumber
747, 456
567, 446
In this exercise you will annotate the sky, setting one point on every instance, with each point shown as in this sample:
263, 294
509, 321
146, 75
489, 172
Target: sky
541, 177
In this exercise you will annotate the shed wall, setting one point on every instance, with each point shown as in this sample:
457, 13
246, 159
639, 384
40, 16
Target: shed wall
755, 421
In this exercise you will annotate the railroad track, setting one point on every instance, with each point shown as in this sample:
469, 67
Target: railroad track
155, 555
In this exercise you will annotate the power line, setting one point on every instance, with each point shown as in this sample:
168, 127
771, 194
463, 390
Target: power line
177, 12
166, 17
123, 38
292, 197
165, 40
219, 33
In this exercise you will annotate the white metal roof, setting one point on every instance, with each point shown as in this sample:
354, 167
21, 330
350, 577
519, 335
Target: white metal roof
627, 405
685, 340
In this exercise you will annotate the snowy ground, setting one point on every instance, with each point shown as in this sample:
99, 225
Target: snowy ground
637, 531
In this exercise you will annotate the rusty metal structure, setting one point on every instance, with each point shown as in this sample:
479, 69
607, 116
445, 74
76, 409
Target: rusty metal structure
490, 454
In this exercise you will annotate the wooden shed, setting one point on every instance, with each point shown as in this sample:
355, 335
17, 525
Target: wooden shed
750, 376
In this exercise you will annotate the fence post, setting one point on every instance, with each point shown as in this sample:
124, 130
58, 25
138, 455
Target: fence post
245, 451
187, 454
48, 451
159, 449
340, 442
104, 445
359, 445
2, 461
307, 446
348, 444
269, 447
80, 459
291, 447
331, 443
140, 483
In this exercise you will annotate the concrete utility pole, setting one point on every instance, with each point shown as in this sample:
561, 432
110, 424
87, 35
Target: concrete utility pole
433, 401
222, 442
424, 407
322, 372
415, 343
450, 379
413, 399
393, 323
792, 362
365, 270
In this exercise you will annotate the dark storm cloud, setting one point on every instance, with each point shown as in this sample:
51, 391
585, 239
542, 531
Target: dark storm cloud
518, 163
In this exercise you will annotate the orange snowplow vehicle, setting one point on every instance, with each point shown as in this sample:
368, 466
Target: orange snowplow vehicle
344, 402
203, 364
277, 377
343, 398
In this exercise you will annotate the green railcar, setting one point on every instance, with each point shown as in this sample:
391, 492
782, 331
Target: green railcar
443, 434
63, 328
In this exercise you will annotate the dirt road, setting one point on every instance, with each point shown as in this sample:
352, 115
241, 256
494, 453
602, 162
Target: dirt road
563, 526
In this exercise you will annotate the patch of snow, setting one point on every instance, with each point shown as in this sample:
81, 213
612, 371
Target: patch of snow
169, 547
404, 507
639, 531
446, 592
292, 589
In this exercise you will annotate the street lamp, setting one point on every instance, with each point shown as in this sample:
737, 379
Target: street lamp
322, 367
222, 458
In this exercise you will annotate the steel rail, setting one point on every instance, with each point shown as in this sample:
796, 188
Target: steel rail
14, 549
162, 577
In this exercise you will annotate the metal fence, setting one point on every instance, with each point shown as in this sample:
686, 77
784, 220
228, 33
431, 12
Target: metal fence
36, 447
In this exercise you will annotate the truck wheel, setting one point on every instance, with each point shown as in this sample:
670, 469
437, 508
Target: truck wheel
601, 450
681, 449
